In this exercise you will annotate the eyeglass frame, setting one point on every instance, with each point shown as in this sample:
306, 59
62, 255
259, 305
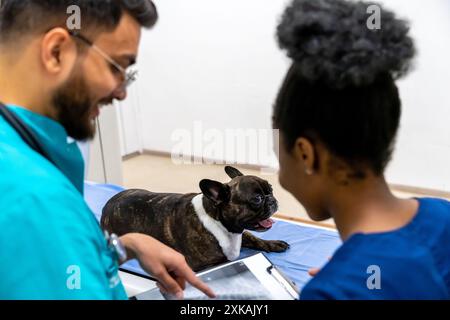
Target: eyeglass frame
128, 76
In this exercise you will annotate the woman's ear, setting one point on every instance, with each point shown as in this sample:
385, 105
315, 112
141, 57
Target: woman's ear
304, 152
58, 53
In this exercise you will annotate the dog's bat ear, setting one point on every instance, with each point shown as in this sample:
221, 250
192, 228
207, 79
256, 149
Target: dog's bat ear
233, 172
215, 191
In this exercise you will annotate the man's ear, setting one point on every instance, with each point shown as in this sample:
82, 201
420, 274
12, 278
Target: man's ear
215, 191
304, 151
233, 172
58, 52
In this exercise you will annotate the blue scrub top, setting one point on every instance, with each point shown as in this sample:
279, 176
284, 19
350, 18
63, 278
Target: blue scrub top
412, 262
52, 247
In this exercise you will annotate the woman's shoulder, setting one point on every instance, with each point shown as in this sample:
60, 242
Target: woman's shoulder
404, 263
364, 270
429, 228
435, 206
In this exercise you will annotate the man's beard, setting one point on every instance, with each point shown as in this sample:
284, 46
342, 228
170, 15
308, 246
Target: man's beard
73, 106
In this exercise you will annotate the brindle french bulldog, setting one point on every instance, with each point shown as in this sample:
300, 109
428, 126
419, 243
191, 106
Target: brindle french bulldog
207, 228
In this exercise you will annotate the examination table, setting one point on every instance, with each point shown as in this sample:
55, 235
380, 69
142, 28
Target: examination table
311, 246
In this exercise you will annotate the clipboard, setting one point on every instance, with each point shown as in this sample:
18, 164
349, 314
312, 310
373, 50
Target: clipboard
287, 283
249, 278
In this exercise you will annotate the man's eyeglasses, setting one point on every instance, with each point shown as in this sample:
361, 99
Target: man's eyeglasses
128, 76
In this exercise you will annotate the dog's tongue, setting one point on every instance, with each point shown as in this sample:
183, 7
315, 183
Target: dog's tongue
266, 223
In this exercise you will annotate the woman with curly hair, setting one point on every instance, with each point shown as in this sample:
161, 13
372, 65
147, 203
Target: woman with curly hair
338, 112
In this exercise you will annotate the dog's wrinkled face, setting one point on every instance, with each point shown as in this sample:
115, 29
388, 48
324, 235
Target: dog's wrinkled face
246, 202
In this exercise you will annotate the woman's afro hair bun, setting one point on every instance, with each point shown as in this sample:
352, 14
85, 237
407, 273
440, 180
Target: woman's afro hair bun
331, 43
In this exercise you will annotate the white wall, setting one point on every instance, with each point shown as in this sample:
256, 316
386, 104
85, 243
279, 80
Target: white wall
102, 156
214, 61
218, 61
422, 156
129, 119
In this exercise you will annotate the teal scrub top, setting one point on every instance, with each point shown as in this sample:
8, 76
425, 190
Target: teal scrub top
52, 246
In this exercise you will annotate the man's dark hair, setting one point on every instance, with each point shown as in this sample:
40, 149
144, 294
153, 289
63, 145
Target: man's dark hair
25, 17
340, 90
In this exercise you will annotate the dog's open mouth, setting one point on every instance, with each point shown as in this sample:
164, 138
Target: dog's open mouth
264, 225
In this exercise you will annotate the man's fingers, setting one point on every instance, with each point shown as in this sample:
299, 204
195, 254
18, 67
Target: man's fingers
181, 281
190, 277
161, 287
170, 285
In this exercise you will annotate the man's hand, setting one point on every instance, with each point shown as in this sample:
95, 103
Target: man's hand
164, 263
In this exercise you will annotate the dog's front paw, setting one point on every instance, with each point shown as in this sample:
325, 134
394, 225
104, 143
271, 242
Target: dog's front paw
276, 246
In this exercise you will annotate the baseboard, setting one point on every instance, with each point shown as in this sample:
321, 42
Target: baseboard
395, 187
131, 155
169, 155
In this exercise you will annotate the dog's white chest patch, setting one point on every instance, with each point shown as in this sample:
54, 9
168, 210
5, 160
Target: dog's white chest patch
228, 241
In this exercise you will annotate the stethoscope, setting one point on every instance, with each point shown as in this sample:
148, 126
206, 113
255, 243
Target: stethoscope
24, 132
114, 243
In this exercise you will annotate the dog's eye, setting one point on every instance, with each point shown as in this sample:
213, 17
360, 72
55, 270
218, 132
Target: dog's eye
257, 200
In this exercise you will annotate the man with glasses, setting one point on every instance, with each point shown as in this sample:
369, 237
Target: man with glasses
128, 77
53, 82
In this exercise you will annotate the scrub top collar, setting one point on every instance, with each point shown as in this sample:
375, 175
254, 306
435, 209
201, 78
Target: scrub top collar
62, 149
